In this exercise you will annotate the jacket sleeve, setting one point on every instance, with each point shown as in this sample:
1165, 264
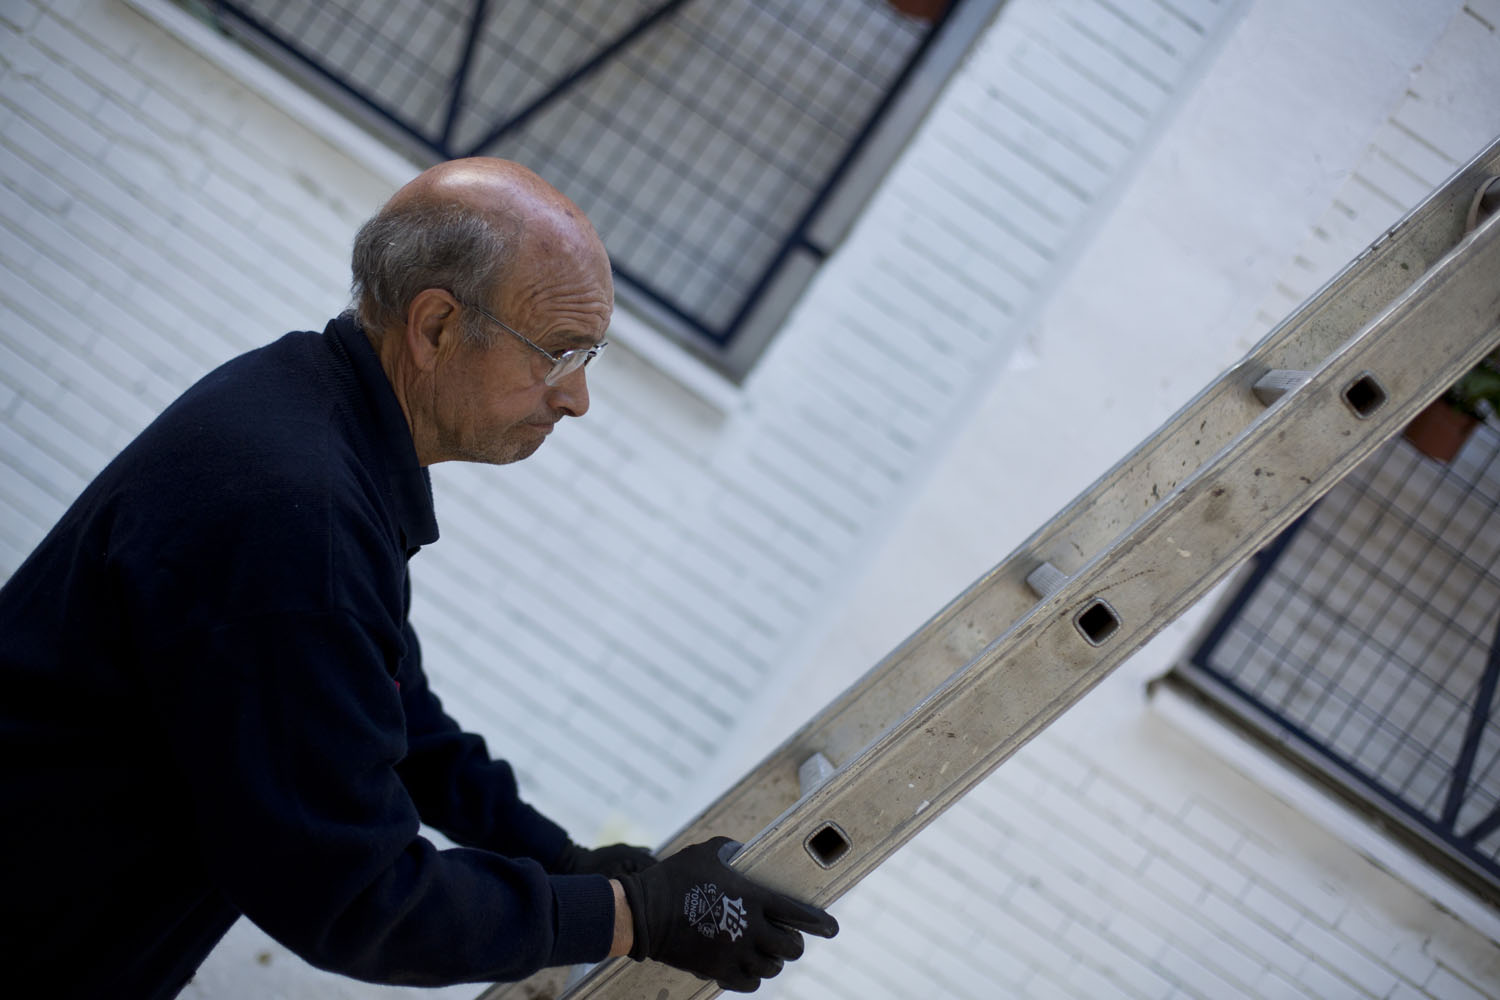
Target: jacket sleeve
457, 787
288, 729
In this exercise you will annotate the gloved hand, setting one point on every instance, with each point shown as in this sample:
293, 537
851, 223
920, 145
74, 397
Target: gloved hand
616, 859
694, 912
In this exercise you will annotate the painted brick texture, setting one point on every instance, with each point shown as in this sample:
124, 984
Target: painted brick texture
610, 612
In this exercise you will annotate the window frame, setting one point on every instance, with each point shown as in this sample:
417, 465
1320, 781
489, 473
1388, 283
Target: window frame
824, 225
1305, 743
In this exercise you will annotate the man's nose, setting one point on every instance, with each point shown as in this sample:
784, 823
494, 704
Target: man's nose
570, 394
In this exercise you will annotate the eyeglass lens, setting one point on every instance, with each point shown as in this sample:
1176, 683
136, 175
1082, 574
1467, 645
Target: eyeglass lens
568, 363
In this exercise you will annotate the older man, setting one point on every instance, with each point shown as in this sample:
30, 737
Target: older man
214, 703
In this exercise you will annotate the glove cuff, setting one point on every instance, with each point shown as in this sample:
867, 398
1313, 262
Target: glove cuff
640, 944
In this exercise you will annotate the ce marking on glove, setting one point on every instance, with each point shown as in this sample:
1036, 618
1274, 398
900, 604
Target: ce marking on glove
710, 911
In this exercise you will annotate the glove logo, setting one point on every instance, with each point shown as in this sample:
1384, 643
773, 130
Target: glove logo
732, 919
710, 911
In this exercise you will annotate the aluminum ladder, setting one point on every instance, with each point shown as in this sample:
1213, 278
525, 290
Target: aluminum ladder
1251, 452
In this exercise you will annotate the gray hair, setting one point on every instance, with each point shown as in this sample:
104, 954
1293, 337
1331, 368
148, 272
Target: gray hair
400, 252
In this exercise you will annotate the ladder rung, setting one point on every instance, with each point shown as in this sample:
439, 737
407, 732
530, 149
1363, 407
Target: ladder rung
812, 773
1046, 580
1277, 383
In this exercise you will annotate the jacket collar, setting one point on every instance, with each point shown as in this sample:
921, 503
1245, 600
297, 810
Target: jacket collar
408, 484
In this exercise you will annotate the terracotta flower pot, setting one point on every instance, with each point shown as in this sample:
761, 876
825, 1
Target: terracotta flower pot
1440, 431
922, 10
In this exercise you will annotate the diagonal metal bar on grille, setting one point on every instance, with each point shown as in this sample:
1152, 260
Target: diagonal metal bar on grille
1479, 717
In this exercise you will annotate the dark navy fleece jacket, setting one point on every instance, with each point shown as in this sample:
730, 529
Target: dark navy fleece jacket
214, 705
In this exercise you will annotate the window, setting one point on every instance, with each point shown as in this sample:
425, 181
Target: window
1364, 641
720, 146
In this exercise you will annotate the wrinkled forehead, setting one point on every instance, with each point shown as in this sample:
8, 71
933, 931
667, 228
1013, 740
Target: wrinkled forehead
558, 286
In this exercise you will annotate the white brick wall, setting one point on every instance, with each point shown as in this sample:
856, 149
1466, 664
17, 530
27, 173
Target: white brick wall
159, 216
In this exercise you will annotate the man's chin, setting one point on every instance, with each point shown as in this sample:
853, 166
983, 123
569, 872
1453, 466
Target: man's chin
512, 448
520, 452
513, 451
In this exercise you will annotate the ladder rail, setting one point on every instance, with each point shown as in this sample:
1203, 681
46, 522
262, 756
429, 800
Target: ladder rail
1203, 427
1147, 539
1036, 670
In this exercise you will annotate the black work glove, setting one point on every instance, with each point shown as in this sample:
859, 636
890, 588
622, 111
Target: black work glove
694, 912
616, 859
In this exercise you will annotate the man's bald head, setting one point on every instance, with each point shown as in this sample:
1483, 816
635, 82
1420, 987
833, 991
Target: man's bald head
488, 185
467, 226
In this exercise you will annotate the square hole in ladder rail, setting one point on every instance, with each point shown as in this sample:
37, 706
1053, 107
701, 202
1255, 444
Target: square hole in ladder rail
827, 845
1365, 395
1097, 622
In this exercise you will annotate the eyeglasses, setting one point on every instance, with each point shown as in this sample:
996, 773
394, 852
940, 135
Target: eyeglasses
564, 363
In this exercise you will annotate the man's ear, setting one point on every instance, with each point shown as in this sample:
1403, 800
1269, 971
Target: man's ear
431, 326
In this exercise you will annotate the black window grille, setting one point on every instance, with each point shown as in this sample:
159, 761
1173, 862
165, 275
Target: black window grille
1364, 640
703, 137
